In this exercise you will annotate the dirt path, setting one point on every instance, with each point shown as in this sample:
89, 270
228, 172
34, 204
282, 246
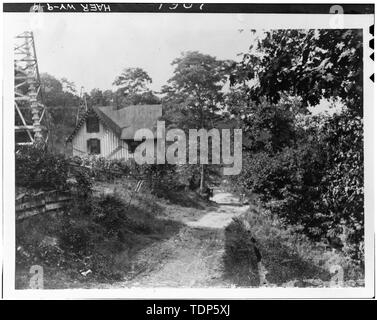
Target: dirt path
192, 258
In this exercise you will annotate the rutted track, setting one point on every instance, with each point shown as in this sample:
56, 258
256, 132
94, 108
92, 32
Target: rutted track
192, 258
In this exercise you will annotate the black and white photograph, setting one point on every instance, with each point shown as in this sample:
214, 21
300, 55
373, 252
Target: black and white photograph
176, 150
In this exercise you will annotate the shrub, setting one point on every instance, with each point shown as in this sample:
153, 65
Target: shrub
37, 168
103, 169
100, 231
343, 184
77, 237
318, 184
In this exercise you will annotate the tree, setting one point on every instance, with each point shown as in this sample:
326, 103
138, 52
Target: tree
343, 184
133, 80
193, 95
132, 88
61, 104
311, 64
97, 97
266, 126
68, 86
314, 173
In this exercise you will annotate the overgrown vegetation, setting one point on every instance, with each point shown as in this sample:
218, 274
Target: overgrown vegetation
289, 257
41, 169
38, 169
99, 236
193, 99
307, 169
63, 99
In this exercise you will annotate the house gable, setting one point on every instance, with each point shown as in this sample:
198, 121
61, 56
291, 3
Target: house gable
116, 129
123, 122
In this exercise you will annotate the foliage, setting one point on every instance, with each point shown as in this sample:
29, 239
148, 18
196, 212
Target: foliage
266, 126
343, 184
317, 185
133, 80
290, 258
309, 169
133, 89
102, 169
312, 64
97, 97
38, 169
195, 89
62, 102
193, 97
56, 93
160, 179
99, 233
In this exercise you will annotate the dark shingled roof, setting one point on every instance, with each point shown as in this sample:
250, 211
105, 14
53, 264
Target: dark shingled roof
124, 122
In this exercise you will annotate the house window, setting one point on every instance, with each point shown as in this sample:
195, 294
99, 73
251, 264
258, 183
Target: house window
92, 124
94, 146
132, 145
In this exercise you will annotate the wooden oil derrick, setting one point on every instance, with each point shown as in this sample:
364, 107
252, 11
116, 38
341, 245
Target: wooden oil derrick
30, 112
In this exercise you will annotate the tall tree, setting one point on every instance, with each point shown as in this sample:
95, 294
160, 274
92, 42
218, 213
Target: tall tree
62, 103
318, 181
99, 97
311, 64
194, 94
133, 88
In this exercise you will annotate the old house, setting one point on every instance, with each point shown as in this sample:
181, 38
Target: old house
109, 133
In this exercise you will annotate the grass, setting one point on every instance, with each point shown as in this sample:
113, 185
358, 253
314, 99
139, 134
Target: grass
101, 235
289, 258
106, 238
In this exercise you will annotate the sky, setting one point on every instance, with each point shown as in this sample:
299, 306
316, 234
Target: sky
92, 49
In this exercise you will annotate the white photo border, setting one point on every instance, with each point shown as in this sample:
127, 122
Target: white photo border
257, 21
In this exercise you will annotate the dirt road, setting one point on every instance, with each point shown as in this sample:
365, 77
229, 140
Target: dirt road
192, 258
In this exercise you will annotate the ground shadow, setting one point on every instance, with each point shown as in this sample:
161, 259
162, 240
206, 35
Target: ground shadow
188, 199
282, 263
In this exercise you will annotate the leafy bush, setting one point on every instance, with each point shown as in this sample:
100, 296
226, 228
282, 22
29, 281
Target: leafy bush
77, 237
97, 234
311, 171
40, 169
160, 179
102, 169
81, 239
343, 183
316, 185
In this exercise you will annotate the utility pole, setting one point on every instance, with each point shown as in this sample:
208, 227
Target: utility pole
202, 173
83, 107
29, 108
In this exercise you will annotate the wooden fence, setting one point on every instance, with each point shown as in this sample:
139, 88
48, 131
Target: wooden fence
42, 202
28, 205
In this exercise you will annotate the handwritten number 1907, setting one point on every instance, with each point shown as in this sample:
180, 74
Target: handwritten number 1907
174, 6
